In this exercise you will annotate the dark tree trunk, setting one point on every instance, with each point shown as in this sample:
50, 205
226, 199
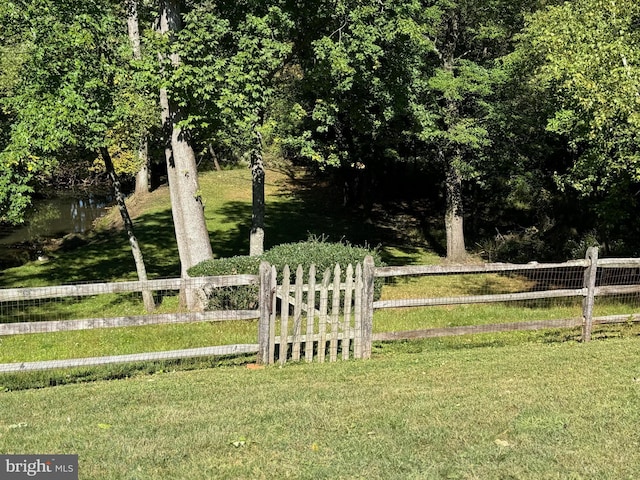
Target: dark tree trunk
147, 296
454, 219
256, 238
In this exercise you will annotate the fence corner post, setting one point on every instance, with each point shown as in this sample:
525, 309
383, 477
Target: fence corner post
264, 299
590, 286
368, 274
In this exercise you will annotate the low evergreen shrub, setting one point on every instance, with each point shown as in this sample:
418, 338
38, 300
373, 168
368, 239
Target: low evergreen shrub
324, 255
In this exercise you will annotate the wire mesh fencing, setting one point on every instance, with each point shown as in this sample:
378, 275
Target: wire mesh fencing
103, 323
464, 299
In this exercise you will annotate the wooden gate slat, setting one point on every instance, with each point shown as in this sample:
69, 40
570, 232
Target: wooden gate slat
346, 328
297, 315
284, 315
322, 321
357, 340
273, 316
335, 314
311, 313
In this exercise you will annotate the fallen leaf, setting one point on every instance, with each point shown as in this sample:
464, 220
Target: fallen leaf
241, 442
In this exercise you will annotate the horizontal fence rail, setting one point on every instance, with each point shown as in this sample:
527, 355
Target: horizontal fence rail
133, 321
594, 272
136, 357
89, 289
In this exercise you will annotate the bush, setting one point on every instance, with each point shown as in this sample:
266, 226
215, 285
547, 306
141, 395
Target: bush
323, 255
244, 297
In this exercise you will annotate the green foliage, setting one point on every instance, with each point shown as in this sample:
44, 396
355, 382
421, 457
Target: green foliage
231, 64
243, 297
74, 93
324, 255
584, 55
518, 247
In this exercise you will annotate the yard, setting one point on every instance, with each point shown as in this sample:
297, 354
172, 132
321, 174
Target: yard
424, 409
510, 405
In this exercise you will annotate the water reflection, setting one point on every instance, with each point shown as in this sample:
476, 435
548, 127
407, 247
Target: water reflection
53, 217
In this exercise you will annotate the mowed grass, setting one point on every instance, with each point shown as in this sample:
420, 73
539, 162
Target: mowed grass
105, 256
414, 411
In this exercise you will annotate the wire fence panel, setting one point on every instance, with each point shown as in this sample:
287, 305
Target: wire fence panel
618, 288
77, 325
446, 299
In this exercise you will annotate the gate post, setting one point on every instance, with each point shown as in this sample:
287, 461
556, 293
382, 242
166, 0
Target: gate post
264, 299
590, 285
368, 272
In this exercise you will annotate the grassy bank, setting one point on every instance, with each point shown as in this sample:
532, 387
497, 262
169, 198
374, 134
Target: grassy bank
296, 208
414, 411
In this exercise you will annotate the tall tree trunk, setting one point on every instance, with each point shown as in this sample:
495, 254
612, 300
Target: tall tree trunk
451, 158
142, 177
453, 219
194, 245
256, 238
147, 296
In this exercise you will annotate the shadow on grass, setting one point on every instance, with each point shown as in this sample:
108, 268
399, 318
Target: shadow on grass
304, 207
105, 256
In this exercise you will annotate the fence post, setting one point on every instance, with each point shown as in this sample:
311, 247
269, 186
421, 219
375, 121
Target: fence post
264, 299
368, 271
590, 285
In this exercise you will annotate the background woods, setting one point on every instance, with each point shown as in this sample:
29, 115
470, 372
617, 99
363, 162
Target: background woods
507, 128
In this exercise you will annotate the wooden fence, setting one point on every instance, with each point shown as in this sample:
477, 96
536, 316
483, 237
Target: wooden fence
332, 318
199, 284
594, 271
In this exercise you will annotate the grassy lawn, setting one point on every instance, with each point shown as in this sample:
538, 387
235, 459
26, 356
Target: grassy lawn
416, 410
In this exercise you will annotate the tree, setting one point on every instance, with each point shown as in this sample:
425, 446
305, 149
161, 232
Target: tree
133, 30
67, 95
194, 245
586, 54
584, 58
397, 79
232, 61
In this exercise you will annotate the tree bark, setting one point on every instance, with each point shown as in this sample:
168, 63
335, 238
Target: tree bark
256, 238
214, 157
192, 236
147, 296
451, 157
454, 219
142, 177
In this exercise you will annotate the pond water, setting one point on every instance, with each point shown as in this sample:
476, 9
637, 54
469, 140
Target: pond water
53, 217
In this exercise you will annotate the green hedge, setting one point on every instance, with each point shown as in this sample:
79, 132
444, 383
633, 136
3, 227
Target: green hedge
323, 255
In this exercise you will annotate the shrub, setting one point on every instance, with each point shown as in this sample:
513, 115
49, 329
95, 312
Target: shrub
244, 297
323, 255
